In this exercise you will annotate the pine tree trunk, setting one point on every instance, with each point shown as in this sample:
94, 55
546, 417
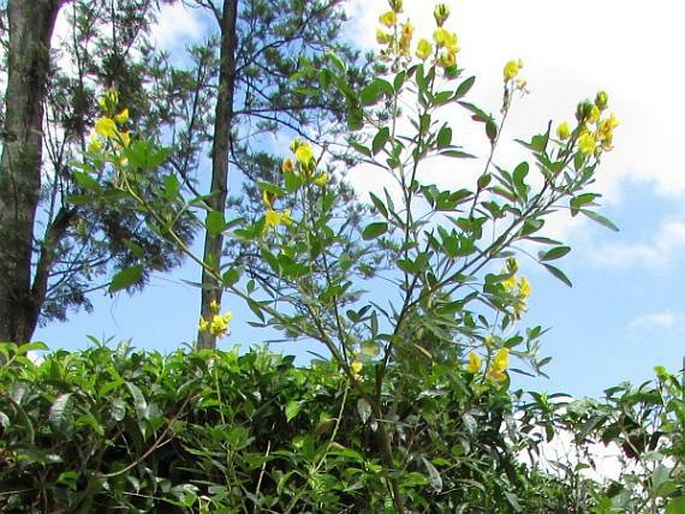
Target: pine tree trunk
211, 288
31, 24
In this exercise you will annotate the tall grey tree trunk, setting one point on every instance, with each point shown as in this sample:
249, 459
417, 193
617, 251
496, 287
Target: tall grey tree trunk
31, 23
211, 288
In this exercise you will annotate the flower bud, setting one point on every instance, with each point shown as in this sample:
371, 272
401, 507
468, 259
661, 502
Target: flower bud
395, 5
602, 100
441, 13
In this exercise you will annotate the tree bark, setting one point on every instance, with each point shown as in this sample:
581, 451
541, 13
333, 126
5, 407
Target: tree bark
211, 288
31, 24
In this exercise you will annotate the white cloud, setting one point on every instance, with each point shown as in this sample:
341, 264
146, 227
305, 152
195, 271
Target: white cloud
175, 26
659, 320
666, 246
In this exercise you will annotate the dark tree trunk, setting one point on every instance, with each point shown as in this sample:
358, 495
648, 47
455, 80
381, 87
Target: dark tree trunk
212, 289
31, 24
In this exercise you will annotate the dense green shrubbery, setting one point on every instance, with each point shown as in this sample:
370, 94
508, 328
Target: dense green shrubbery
113, 430
120, 430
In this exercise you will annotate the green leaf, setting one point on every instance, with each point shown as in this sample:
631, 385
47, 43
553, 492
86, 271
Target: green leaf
554, 253
458, 154
491, 130
370, 348
86, 181
215, 223
577, 202
292, 409
361, 148
139, 401
433, 475
444, 137
60, 414
464, 87
370, 94
126, 278
380, 139
676, 505
600, 219
379, 205
374, 230
558, 274
364, 410
231, 277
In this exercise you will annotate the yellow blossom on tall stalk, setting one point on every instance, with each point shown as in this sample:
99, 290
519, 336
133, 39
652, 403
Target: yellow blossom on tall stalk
564, 131
499, 365
405, 37
356, 367
587, 143
304, 153
122, 117
321, 180
218, 325
424, 49
106, 127
511, 69
382, 37
474, 363
388, 18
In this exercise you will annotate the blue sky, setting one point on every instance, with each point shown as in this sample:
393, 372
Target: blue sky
626, 312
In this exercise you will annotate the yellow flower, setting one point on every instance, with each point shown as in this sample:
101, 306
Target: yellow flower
304, 153
356, 367
405, 39
441, 36
122, 117
605, 131
272, 218
94, 144
106, 127
595, 113
564, 131
424, 49
474, 363
203, 326
288, 166
524, 288
388, 18
448, 59
214, 306
509, 283
499, 365
286, 219
125, 138
382, 37
587, 143
441, 13
321, 180
511, 69
219, 325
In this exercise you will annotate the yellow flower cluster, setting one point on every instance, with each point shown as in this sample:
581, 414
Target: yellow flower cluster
398, 39
218, 324
595, 132
107, 128
519, 288
499, 365
496, 369
356, 367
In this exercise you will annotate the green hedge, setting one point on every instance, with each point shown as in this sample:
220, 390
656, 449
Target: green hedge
115, 430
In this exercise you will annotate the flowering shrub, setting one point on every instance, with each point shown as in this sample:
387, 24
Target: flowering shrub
447, 302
